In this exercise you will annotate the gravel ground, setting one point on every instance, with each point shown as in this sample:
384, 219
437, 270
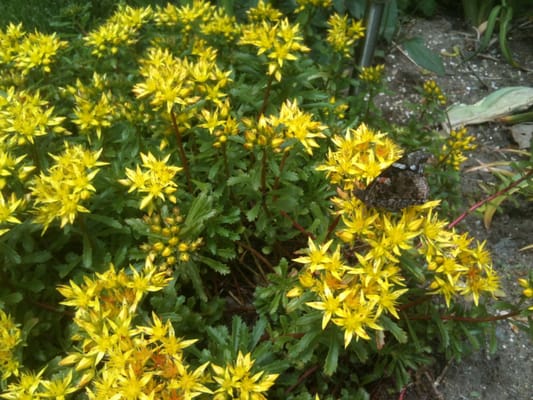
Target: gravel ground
507, 374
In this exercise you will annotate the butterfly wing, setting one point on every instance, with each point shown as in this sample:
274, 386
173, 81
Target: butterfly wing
401, 185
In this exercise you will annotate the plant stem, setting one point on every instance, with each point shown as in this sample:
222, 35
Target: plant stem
181, 151
266, 96
281, 166
225, 158
263, 180
488, 318
490, 198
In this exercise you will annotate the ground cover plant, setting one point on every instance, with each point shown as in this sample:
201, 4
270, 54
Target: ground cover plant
179, 215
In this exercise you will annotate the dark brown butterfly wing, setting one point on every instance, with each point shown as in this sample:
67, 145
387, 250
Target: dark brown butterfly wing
401, 185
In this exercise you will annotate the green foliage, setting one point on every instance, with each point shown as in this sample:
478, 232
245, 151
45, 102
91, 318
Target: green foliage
189, 143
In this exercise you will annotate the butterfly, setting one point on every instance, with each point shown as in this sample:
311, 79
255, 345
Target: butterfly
401, 185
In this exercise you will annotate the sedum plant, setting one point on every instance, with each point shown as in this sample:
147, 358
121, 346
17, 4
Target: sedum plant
178, 215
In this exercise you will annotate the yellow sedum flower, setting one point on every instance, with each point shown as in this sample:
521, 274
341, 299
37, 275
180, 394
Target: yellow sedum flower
24, 116
278, 131
155, 181
8, 210
9, 42
10, 339
263, 11
171, 81
342, 35
61, 192
119, 30
37, 50
280, 42
28, 52
237, 380
298, 125
355, 287
92, 115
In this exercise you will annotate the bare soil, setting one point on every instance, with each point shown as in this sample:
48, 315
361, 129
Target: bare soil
508, 373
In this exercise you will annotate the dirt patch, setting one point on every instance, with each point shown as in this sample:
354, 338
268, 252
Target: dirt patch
508, 373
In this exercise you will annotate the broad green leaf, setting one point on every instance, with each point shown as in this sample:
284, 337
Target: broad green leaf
423, 56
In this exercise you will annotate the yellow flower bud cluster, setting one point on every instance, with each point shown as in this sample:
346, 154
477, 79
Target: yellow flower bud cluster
453, 150
372, 74
527, 285
169, 248
433, 93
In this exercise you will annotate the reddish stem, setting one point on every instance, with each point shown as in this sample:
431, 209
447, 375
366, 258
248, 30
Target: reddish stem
181, 151
297, 225
490, 198
489, 318
303, 377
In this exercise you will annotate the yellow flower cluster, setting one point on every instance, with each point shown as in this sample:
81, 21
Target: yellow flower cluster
121, 360
156, 181
8, 209
25, 116
280, 41
199, 16
263, 11
362, 278
238, 382
220, 123
452, 152
10, 339
278, 131
59, 194
95, 108
28, 51
169, 246
171, 81
360, 155
197, 11
433, 93
343, 36
220, 24
372, 74
119, 30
